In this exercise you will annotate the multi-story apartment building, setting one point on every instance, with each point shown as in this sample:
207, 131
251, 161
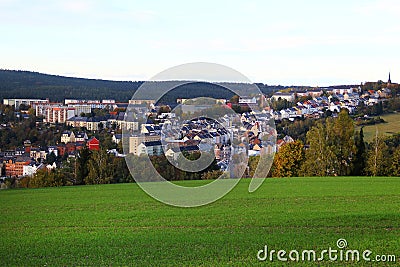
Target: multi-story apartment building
77, 122
54, 112
80, 108
136, 140
58, 114
15, 167
16, 102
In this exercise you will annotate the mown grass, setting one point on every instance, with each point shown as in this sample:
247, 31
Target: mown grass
392, 126
120, 225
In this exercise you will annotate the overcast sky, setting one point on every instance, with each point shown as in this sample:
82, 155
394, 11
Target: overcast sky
275, 42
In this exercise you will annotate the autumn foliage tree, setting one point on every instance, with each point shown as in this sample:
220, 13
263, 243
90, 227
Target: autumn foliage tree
319, 157
331, 147
343, 143
378, 163
100, 168
288, 160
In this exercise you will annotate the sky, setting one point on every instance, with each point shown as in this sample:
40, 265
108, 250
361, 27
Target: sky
308, 42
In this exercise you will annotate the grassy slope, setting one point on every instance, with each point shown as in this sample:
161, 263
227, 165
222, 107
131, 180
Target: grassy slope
392, 126
121, 225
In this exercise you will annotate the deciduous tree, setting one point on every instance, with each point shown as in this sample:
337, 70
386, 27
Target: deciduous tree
288, 160
377, 158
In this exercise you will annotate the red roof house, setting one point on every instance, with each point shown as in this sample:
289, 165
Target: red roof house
93, 144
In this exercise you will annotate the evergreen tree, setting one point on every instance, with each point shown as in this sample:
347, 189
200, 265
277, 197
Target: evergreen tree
360, 157
82, 165
395, 166
51, 158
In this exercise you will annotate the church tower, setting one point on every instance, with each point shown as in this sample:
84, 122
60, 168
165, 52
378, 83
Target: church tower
389, 81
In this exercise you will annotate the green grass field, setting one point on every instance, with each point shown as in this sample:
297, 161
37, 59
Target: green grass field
120, 225
391, 127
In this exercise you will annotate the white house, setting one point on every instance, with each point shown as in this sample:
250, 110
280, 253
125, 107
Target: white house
38, 154
153, 148
174, 152
116, 138
67, 136
31, 169
81, 137
247, 100
52, 149
373, 100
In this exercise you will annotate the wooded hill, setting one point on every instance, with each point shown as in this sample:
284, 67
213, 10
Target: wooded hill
26, 84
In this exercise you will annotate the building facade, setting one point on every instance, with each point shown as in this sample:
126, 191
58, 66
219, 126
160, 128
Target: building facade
135, 141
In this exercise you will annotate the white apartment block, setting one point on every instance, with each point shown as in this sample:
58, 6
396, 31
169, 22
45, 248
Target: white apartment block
54, 112
16, 102
135, 141
80, 108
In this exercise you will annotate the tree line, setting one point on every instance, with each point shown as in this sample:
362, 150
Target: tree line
334, 148
100, 167
26, 84
88, 167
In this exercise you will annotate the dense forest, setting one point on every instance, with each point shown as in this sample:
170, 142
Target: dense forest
26, 84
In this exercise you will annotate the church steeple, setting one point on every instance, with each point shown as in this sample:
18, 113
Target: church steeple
389, 81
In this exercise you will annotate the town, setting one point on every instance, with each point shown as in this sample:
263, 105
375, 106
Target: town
157, 129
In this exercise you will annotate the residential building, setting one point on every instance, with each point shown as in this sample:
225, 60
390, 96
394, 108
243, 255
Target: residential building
93, 144
15, 166
141, 101
31, 169
153, 148
93, 123
71, 137
52, 149
108, 101
61, 149
58, 114
77, 122
174, 152
38, 154
312, 93
116, 138
98, 122
217, 101
80, 108
247, 100
27, 146
150, 129
136, 140
67, 136
92, 103
16, 102
283, 96
2, 169
54, 113
69, 148
342, 90
80, 137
